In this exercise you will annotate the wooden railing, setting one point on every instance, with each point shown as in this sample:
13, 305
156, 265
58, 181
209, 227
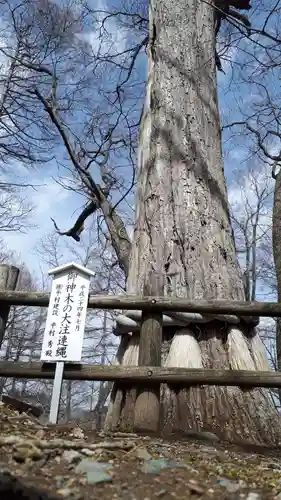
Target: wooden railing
148, 376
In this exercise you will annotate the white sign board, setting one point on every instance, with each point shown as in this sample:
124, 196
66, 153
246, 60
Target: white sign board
64, 330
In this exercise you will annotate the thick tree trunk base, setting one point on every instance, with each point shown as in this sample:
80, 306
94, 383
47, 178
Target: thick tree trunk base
120, 412
231, 413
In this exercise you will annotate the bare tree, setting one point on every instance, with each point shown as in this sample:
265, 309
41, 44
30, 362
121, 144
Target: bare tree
29, 36
251, 201
23, 335
56, 72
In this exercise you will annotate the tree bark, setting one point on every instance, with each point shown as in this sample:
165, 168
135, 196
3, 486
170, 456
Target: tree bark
182, 228
8, 281
276, 232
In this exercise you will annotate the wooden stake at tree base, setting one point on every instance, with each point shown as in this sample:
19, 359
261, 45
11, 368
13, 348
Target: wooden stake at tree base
8, 281
147, 405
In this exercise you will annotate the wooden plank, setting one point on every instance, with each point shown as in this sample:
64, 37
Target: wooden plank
8, 281
147, 405
160, 304
143, 374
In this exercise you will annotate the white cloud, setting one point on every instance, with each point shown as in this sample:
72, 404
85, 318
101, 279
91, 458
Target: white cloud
48, 197
49, 200
243, 194
108, 40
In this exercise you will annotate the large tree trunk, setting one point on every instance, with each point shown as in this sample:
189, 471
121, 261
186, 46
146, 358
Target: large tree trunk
183, 231
276, 232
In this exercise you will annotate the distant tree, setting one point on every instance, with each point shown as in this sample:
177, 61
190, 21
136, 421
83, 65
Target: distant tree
251, 206
23, 335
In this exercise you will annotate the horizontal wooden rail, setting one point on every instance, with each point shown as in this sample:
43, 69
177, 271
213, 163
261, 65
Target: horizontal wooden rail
143, 374
160, 304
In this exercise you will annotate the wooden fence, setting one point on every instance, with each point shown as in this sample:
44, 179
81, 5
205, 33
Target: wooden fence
148, 376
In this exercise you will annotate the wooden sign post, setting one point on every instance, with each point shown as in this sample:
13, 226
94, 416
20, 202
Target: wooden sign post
65, 323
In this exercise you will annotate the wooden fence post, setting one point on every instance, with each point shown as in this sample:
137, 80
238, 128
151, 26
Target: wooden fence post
147, 405
8, 281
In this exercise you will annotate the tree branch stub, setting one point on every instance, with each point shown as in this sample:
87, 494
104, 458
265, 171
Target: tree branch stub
8, 281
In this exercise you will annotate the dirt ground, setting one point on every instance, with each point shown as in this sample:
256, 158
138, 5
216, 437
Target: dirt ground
48, 458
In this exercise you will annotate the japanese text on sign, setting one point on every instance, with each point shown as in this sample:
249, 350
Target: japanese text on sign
63, 337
